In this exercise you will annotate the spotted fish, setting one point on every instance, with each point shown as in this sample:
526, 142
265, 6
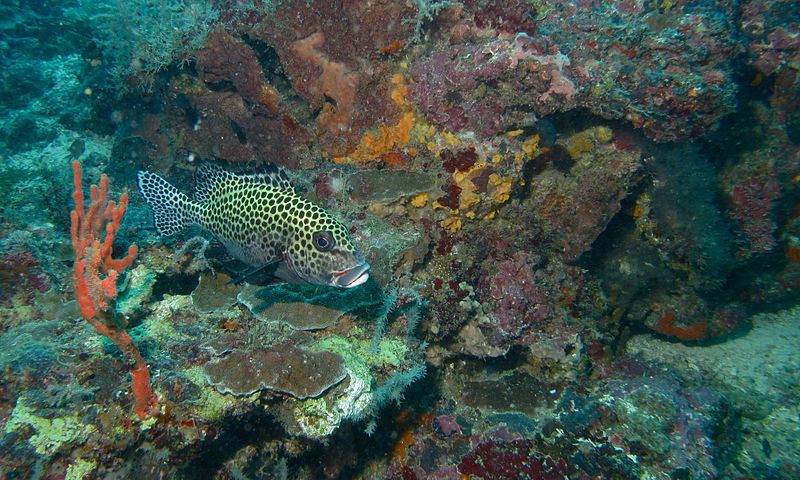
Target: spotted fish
263, 222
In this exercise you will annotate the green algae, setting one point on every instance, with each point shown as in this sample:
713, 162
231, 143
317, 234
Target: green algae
212, 405
391, 352
388, 185
50, 434
357, 354
80, 469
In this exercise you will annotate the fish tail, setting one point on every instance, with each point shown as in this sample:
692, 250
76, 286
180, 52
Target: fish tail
172, 210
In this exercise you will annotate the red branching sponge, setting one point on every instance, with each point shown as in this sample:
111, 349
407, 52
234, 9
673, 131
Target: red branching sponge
95, 274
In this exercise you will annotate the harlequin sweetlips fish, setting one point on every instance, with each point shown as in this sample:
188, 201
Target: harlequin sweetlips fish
263, 222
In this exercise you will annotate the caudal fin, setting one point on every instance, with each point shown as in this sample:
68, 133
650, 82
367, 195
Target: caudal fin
172, 210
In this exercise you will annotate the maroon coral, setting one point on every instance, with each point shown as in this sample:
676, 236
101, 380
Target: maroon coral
670, 75
282, 368
470, 87
510, 17
251, 123
574, 210
751, 207
226, 59
515, 459
461, 160
772, 34
336, 81
20, 273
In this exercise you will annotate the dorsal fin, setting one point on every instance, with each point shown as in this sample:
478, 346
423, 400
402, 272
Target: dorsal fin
206, 179
272, 175
209, 176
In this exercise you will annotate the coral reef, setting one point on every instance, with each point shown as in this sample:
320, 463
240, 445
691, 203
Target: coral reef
510, 459
573, 209
517, 305
582, 221
751, 207
442, 79
50, 434
758, 392
772, 35
256, 117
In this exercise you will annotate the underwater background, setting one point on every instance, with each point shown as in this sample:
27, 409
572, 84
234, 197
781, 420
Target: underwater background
582, 220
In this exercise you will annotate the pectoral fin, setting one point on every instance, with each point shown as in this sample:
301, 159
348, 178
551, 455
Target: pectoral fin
266, 268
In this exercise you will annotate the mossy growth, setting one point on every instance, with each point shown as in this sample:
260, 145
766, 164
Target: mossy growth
319, 417
51, 433
159, 326
80, 469
585, 141
358, 354
211, 405
314, 417
355, 362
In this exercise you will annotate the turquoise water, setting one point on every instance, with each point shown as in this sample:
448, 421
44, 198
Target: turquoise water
399, 239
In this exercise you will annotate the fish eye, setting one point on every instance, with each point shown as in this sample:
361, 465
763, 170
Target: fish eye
323, 241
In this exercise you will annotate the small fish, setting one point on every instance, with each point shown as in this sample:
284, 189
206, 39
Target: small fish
76, 149
262, 222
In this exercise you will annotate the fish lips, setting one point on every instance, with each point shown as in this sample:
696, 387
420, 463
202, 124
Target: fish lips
351, 277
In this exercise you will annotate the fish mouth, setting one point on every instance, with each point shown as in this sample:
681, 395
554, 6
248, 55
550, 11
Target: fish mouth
351, 277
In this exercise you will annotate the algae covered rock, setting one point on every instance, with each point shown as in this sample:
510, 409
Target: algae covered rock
49, 434
388, 185
137, 292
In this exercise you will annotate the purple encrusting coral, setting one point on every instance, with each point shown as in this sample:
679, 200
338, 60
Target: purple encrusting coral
771, 32
463, 86
20, 275
752, 201
517, 304
668, 73
515, 459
